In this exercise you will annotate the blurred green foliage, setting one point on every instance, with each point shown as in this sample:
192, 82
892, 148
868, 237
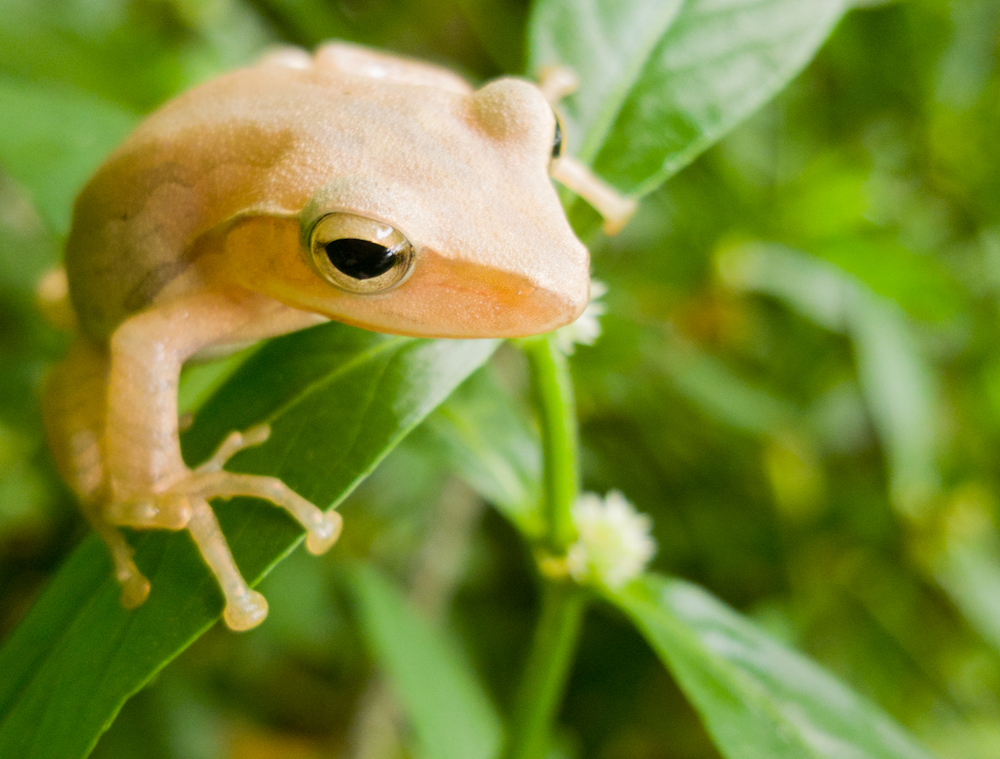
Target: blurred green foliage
799, 381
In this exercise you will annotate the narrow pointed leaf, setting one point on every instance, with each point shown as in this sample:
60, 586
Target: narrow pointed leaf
451, 716
338, 400
758, 699
897, 379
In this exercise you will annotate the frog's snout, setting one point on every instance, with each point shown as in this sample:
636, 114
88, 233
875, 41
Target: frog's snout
476, 300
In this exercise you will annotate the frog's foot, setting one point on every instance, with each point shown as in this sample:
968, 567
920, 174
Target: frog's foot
606, 200
245, 608
166, 511
286, 56
135, 587
210, 481
185, 505
171, 509
323, 528
556, 82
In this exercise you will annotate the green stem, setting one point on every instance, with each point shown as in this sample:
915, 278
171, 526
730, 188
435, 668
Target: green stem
547, 669
563, 603
557, 412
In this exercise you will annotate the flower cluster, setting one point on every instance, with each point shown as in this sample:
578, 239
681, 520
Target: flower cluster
614, 544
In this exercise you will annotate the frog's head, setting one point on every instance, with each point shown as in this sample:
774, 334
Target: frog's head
440, 218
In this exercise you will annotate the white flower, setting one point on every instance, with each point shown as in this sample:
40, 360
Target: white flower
614, 544
587, 327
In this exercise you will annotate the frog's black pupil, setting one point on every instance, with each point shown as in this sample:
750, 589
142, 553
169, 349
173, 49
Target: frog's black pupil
557, 141
361, 259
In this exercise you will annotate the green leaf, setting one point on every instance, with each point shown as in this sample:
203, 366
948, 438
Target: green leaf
338, 400
451, 715
920, 284
758, 699
966, 564
721, 393
661, 80
52, 138
897, 379
492, 446
901, 389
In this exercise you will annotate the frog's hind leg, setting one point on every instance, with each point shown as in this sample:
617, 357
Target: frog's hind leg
245, 608
74, 408
189, 502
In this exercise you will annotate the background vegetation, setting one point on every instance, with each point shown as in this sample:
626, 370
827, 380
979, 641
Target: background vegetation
799, 381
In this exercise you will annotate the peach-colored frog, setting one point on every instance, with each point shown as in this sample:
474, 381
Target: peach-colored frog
347, 185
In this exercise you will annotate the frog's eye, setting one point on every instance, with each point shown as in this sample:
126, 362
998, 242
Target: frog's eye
557, 140
358, 254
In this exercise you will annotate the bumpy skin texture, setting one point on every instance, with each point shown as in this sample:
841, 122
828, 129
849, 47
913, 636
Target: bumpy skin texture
189, 240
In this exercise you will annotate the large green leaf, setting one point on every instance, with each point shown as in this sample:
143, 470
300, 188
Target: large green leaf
451, 716
661, 80
758, 699
338, 399
52, 138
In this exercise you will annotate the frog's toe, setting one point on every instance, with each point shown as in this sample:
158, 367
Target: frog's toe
135, 591
321, 537
245, 611
233, 444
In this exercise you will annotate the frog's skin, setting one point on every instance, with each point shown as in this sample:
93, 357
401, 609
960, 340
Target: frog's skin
196, 237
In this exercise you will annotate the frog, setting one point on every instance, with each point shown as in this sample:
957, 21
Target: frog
346, 184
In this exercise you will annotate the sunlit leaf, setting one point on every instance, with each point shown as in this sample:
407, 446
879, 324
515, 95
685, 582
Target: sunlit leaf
338, 399
661, 80
758, 699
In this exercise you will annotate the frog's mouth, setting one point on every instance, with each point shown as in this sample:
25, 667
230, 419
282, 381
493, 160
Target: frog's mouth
457, 299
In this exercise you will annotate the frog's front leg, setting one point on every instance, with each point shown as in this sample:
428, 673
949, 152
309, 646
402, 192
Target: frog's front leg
150, 486
556, 82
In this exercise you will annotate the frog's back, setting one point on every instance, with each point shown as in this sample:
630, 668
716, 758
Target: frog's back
190, 166
259, 139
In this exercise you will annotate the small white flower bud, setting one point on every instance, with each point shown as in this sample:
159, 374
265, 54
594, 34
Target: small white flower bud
614, 544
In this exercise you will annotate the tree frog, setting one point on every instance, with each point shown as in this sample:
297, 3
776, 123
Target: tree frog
349, 184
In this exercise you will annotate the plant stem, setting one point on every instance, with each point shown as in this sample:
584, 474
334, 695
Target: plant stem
557, 412
548, 666
563, 603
